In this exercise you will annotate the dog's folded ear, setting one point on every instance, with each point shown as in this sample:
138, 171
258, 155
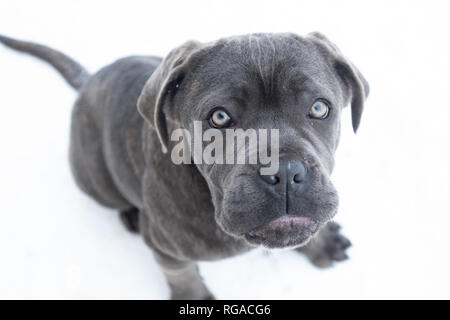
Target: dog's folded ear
356, 86
163, 83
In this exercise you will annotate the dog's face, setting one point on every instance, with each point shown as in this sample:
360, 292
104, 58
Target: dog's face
298, 86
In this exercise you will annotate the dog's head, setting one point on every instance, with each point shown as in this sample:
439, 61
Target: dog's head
298, 85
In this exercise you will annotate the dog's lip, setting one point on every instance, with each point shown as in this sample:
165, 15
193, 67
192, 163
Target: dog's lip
285, 231
287, 221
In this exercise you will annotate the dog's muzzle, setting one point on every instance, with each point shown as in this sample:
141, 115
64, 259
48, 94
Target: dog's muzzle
291, 228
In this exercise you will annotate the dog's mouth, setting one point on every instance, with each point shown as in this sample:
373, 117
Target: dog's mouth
286, 231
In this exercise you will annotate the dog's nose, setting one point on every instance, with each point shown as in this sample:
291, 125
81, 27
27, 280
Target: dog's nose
291, 173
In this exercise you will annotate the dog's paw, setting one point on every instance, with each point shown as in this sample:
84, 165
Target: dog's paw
329, 246
130, 219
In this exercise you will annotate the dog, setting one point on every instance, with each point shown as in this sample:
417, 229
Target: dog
120, 143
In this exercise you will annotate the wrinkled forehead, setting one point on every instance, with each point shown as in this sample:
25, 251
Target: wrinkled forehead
267, 64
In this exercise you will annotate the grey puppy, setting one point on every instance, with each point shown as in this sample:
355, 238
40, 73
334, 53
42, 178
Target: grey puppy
123, 117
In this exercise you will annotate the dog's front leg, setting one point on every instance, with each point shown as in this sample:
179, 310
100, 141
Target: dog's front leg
327, 247
183, 278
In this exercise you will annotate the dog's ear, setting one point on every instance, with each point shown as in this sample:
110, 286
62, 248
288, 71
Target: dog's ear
162, 84
356, 85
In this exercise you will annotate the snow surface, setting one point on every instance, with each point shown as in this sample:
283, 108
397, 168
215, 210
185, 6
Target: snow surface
393, 177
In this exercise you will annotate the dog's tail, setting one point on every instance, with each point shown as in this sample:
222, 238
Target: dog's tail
71, 70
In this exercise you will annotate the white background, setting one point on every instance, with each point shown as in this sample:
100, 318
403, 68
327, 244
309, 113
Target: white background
393, 177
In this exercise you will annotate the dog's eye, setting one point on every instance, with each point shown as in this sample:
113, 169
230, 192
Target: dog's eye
220, 119
319, 110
